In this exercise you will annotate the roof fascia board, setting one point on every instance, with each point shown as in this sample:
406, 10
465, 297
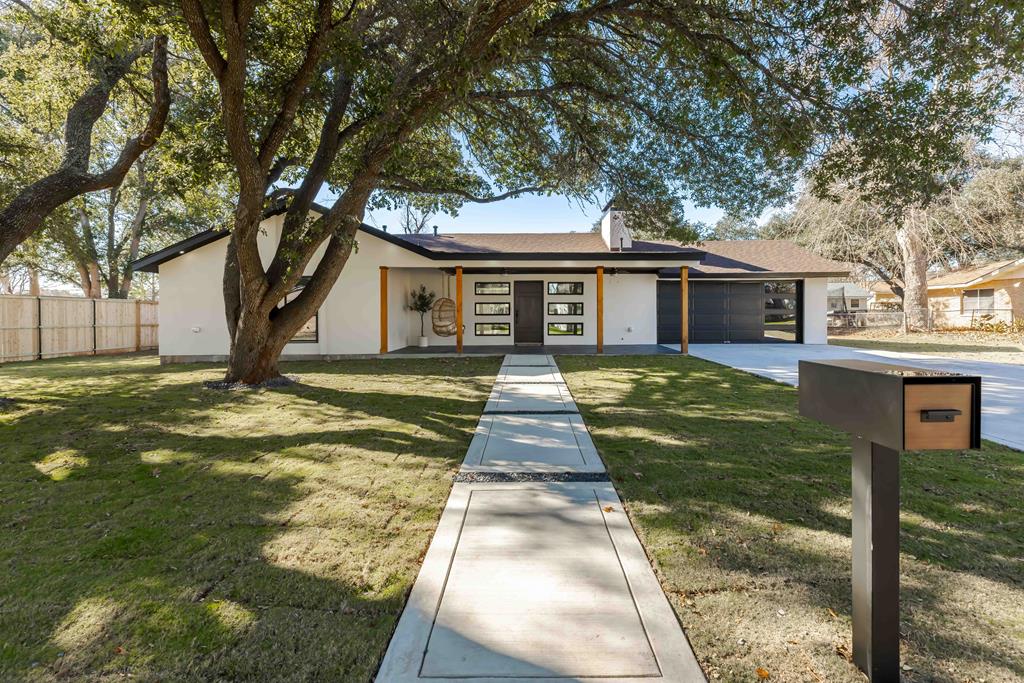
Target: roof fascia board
691, 256
764, 275
990, 275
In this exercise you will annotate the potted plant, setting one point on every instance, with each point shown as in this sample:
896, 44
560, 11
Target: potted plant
422, 301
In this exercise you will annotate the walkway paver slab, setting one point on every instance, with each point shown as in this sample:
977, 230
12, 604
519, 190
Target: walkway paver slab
529, 374
523, 359
537, 581
532, 443
507, 397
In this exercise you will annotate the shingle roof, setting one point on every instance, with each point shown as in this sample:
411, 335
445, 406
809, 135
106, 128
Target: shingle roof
532, 242
723, 257
846, 289
750, 257
964, 276
745, 258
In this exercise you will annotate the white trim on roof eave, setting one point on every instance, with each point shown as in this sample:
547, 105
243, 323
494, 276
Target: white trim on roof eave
563, 263
991, 275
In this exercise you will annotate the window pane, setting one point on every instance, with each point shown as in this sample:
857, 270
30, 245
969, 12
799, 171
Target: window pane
492, 288
308, 332
496, 308
980, 300
563, 329
492, 329
575, 308
565, 288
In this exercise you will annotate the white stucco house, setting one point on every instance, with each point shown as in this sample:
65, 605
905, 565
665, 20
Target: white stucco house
593, 291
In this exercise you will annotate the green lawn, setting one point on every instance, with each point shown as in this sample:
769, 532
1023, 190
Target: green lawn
744, 509
154, 529
966, 345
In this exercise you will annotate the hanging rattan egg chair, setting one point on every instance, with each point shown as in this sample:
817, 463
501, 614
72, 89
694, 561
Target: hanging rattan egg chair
443, 315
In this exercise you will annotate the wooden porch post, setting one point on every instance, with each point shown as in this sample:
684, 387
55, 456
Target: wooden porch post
600, 309
684, 296
458, 309
383, 309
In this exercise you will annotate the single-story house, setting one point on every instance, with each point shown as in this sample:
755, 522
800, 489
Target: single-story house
582, 289
847, 297
988, 293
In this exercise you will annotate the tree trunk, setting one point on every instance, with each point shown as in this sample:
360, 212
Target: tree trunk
915, 276
33, 282
96, 290
255, 350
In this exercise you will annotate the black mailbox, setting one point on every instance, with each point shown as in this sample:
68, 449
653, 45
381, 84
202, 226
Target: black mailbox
898, 406
887, 408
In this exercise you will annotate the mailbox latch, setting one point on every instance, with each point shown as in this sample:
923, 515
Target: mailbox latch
943, 415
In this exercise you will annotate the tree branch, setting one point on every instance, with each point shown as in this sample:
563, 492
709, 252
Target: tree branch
400, 184
23, 216
154, 125
296, 87
199, 27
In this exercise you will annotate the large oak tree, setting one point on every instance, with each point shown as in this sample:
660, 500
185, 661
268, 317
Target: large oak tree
70, 46
472, 100
977, 214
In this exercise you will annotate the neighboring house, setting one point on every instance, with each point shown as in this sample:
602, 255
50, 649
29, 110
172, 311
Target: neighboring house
962, 298
525, 288
882, 297
847, 297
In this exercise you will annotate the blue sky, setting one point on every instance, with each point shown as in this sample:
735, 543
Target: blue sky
523, 214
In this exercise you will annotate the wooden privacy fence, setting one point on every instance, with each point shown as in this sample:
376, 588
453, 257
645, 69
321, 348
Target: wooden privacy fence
36, 327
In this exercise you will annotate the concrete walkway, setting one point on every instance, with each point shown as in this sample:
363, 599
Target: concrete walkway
534, 571
1002, 384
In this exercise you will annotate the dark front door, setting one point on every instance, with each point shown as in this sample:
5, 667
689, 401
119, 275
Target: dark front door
529, 312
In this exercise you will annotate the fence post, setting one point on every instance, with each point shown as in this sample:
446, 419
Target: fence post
94, 327
138, 325
39, 328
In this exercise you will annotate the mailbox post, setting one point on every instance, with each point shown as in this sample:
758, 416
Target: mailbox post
887, 409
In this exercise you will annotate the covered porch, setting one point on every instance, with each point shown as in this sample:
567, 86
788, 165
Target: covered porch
549, 349
552, 308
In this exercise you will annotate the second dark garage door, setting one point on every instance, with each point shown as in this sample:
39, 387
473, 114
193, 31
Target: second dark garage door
719, 312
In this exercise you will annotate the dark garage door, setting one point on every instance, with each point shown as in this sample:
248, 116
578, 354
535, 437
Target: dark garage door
719, 312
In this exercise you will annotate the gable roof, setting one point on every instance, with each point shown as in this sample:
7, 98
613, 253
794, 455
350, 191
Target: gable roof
472, 246
718, 258
968, 276
846, 289
536, 242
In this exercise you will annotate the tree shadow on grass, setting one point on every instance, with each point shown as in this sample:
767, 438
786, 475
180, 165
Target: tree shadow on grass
730, 488
155, 529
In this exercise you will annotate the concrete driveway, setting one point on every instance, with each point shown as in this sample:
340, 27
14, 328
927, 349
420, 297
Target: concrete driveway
1002, 385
